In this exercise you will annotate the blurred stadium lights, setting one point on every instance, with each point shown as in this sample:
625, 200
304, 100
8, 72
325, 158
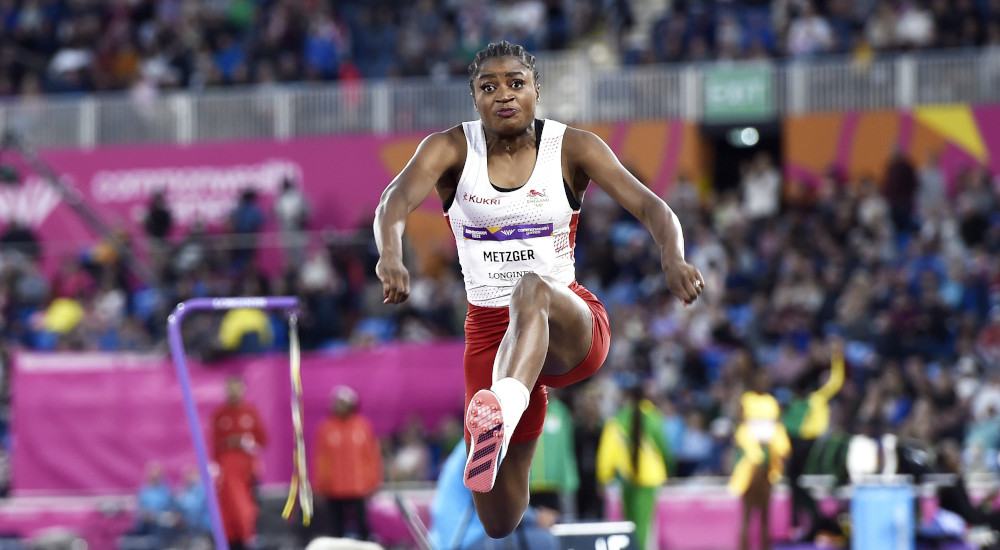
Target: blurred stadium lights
744, 137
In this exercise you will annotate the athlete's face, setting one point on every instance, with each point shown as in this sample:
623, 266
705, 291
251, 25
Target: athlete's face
505, 94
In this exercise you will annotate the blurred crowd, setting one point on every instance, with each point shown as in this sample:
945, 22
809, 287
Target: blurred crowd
94, 45
706, 31
905, 271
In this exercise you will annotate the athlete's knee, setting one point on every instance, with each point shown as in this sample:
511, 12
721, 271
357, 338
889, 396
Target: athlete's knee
530, 289
498, 527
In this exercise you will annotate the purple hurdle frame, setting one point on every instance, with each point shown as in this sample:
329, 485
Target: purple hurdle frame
180, 362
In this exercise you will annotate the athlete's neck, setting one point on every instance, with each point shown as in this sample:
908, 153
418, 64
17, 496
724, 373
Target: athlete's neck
500, 144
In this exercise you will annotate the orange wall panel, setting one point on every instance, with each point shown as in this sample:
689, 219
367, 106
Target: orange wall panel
925, 142
644, 149
695, 155
875, 138
811, 142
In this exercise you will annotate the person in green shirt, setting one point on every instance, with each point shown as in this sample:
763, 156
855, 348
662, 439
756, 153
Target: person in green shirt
553, 477
634, 451
806, 418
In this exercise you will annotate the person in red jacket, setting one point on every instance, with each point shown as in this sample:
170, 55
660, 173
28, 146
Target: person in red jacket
348, 462
237, 436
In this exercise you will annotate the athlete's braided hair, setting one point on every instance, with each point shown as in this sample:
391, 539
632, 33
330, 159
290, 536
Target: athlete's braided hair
501, 49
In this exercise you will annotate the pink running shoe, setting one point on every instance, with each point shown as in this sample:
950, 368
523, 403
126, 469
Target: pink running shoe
485, 423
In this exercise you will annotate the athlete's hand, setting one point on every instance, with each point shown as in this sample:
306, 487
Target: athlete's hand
684, 280
395, 280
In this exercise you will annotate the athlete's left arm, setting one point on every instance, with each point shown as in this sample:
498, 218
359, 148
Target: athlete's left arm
588, 153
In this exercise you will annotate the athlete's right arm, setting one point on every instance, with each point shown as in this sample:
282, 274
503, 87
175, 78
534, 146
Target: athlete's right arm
437, 154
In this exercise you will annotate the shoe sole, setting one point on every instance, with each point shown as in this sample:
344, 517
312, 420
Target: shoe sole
485, 424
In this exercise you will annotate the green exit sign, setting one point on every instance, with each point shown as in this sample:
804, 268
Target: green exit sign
739, 94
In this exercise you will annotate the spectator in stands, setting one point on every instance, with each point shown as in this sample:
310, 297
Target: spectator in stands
982, 440
988, 341
245, 221
900, 189
761, 186
193, 253
238, 434
192, 504
455, 525
952, 495
60, 324
347, 464
554, 480
880, 29
292, 213
158, 222
245, 330
156, 513
807, 418
586, 438
695, 446
19, 238
932, 187
872, 210
410, 460
763, 447
809, 33
914, 25
107, 47
634, 452
108, 311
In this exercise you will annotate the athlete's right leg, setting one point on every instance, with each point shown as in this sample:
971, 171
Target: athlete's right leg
551, 331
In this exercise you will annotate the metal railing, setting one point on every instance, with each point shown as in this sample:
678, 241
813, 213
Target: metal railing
574, 89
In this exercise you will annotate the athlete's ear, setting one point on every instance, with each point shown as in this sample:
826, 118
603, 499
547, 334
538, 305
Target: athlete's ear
538, 93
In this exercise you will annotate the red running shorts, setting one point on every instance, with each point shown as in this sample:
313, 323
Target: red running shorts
485, 328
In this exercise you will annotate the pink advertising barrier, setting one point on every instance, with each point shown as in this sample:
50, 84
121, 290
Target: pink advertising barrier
342, 176
88, 424
688, 518
101, 521
701, 517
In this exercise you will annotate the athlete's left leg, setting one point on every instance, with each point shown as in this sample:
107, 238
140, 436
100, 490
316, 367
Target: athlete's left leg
500, 510
551, 333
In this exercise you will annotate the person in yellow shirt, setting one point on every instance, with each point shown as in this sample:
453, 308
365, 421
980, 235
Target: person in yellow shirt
762, 447
237, 324
806, 418
634, 451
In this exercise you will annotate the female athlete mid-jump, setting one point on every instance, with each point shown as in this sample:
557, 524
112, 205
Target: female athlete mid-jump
512, 187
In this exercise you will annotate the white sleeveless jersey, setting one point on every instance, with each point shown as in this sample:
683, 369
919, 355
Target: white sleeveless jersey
503, 234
